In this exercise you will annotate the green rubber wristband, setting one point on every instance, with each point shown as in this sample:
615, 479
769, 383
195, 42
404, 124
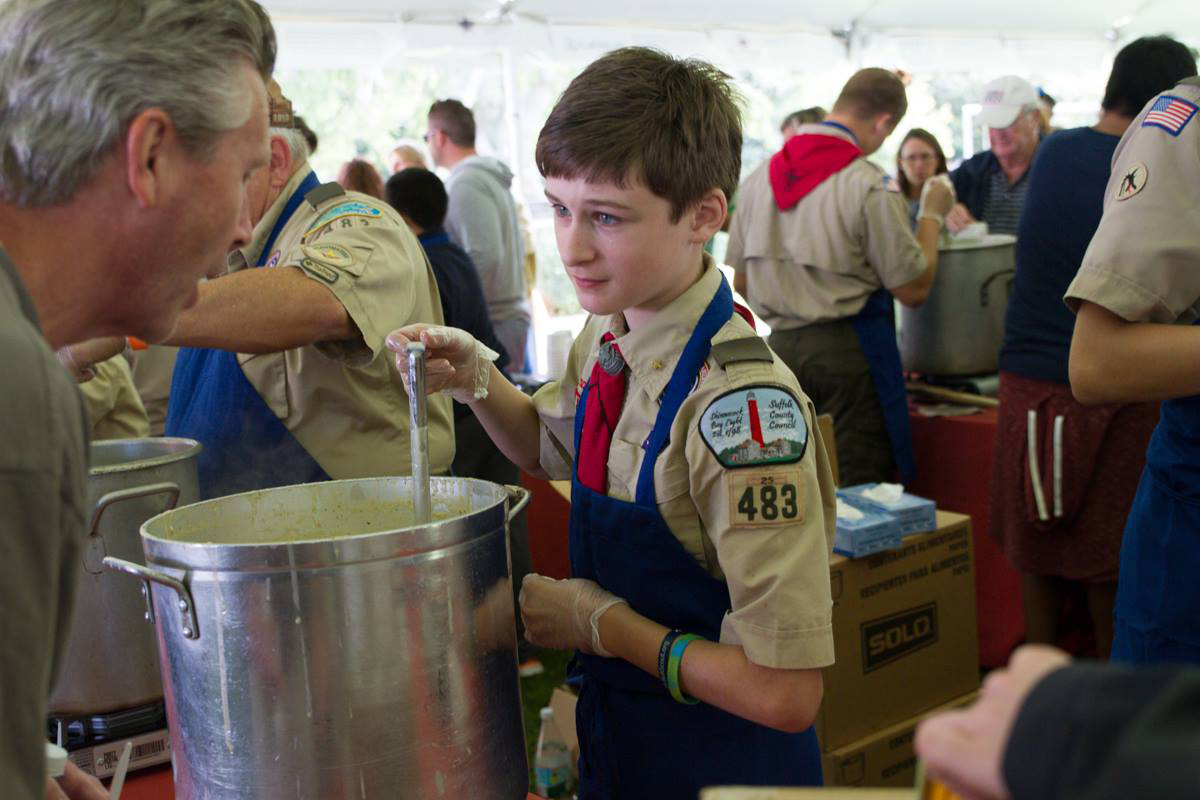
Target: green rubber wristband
677, 647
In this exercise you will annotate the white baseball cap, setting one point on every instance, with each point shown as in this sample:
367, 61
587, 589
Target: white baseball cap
1003, 100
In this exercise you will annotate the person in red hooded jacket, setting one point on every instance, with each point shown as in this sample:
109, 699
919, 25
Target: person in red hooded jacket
821, 245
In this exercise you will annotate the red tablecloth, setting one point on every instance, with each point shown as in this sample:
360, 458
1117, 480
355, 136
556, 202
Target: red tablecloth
954, 466
156, 784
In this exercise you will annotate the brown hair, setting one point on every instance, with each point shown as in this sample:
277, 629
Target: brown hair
455, 120
640, 114
870, 92
357, 175
929, 139
804, 116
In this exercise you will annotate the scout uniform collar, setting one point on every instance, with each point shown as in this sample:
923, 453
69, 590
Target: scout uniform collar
249, 255
652, 350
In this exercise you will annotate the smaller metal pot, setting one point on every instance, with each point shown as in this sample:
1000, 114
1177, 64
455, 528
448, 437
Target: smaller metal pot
111, 657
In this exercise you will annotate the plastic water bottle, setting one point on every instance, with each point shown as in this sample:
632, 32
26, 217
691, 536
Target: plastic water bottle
552, 759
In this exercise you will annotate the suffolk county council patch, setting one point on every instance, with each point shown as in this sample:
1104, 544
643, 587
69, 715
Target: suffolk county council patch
755, 425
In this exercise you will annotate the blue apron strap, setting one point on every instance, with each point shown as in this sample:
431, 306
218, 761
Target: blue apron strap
695, 352
875, 326
309, 183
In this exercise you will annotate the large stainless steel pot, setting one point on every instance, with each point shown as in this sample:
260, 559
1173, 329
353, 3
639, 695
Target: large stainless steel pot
318, 644
959, 329
111, 661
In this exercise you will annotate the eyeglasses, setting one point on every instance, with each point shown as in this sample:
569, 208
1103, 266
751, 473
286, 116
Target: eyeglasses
917, 158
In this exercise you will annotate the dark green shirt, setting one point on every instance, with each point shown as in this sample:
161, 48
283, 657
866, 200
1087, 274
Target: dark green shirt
43, 470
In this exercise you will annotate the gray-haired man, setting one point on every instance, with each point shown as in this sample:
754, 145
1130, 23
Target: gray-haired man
128, 131
991, 185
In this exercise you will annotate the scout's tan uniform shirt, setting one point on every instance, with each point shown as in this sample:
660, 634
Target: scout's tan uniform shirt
778, 574
344, 401
1144, 262
114, 409
152, 369
821, 259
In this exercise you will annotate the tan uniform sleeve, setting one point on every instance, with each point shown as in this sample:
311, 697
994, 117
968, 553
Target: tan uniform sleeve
371, 268
114, 409
1143, 264
891, 248
770, 526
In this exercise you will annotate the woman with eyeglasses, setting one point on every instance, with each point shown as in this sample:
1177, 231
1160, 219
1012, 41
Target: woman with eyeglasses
919, 158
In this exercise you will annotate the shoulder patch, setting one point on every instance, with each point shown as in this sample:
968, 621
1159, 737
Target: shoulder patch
348, 212
1133, 180
751, 348
332, 254
326, 191
322, 272
1170, 113
890, 184
755, 425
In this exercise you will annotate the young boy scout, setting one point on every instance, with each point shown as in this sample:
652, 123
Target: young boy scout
702, 501
1136, 290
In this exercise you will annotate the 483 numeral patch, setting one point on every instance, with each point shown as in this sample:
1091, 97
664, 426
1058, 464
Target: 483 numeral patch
768, 497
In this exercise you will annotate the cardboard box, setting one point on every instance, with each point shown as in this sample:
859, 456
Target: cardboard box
904, 633
915, 514
885, 758
874, 532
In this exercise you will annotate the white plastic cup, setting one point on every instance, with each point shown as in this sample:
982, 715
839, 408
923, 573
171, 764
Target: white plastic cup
558, 348
56, 760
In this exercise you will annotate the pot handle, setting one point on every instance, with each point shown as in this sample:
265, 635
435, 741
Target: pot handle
187, 608
983, 288
518, 498
132, 493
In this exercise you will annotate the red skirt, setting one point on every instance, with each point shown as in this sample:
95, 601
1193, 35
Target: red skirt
1059, 507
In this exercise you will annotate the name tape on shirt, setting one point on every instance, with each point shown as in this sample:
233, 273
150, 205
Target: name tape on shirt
322, 272
765, 497
1170, 113
755, 425
1133, 180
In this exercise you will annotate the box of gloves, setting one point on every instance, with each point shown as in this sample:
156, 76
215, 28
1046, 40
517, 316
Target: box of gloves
862, 530
915, 514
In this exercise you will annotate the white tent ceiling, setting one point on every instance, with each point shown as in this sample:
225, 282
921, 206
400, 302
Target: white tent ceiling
1017, 18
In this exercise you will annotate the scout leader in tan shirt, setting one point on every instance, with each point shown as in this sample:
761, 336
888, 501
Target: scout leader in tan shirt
1137, 294
821, 244
297, 386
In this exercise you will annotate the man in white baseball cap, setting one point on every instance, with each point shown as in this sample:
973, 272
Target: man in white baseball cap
991, 185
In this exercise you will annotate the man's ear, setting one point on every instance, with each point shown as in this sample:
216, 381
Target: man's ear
708, 215
147, 142
281, 162
885, 124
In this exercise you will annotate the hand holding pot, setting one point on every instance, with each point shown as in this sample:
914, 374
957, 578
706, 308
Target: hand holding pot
565, 614
456, 363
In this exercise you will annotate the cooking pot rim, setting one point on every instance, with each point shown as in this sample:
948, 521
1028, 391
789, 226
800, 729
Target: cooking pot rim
180, 449
410, 541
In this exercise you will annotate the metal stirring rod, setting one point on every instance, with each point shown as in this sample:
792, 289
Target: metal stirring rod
418, 430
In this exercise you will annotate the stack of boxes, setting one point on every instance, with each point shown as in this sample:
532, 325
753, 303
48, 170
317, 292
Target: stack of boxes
907, 646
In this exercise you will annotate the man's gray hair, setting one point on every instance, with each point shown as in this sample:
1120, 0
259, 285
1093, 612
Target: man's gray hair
297, 144
74, 74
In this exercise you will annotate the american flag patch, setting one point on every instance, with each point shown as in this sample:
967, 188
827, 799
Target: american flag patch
1170, 114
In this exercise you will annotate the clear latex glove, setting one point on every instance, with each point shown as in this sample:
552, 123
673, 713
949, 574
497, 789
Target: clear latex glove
565, 614
937, 199
456, 363
81, 358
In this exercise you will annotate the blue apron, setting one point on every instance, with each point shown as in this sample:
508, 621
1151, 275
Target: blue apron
875, 326
1157, 614
246, 446
635, 741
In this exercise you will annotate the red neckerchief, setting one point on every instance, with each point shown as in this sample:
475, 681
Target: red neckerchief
804, 163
